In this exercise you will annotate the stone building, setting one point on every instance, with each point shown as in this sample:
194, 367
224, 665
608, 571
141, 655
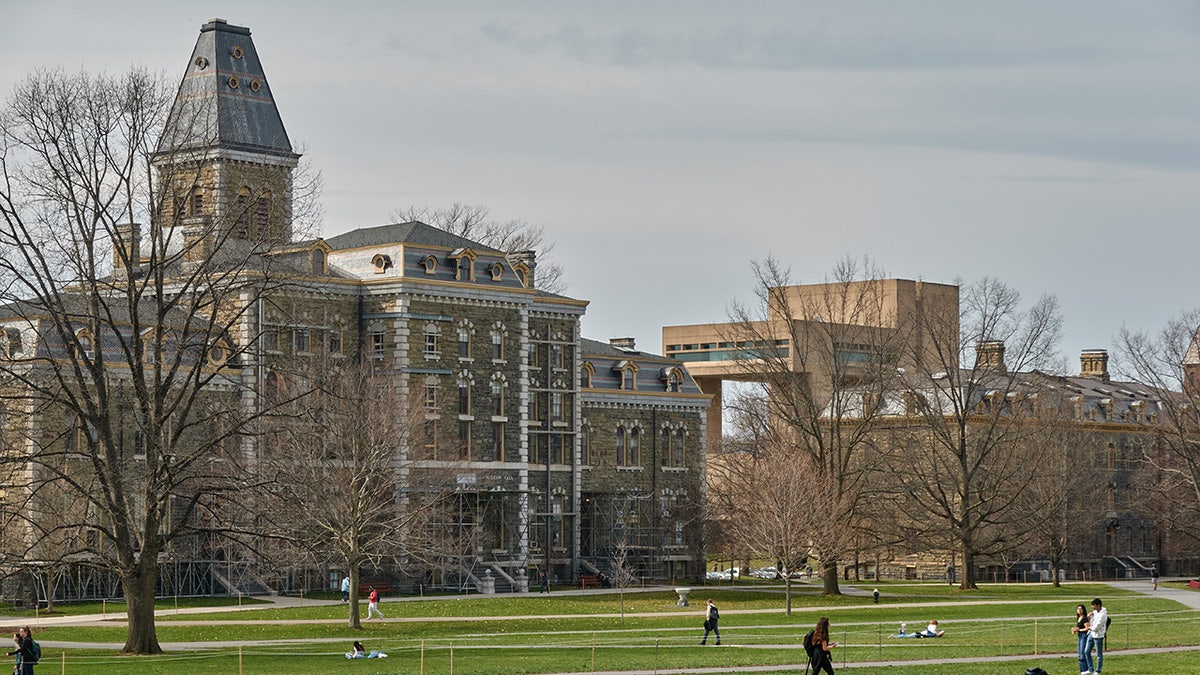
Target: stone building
1116, 421
568, 454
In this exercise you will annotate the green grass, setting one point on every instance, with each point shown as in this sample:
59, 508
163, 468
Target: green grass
116, 608
519, 635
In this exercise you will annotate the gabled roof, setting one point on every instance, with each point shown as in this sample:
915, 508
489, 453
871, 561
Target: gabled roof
224, 101
412, 232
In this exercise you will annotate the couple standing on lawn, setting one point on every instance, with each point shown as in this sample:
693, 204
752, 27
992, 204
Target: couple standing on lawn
1090, 630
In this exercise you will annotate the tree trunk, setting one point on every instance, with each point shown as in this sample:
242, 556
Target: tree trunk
354, 621
829, 579
139, 586
787, 594
968, 571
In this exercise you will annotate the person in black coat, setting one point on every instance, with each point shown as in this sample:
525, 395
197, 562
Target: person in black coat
26, 657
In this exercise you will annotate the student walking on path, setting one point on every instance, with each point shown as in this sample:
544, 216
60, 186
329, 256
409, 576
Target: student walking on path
822, 657
373, 603
711, 616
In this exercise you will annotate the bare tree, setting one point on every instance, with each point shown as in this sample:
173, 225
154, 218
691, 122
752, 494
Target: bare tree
1169, 362
341, 471
127, 346
475, 222
961, 471
823, 356
1054, 511
622, 573
781, 506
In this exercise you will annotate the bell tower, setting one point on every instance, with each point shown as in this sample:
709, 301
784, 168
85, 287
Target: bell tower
224, 163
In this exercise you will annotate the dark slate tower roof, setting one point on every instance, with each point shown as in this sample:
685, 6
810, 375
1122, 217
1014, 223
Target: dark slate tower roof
224, 101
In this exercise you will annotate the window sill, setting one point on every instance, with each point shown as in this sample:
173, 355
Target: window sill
675, 469
631, 468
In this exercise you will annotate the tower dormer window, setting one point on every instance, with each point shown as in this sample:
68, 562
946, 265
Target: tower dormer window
430, 263
262, 214
497, 271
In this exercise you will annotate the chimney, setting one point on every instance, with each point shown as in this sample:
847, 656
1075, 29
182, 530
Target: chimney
622, 342
989, 355
1094, 363
526, 259
126, 243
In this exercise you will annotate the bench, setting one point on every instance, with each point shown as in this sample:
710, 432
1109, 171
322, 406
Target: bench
365, 588
589, 581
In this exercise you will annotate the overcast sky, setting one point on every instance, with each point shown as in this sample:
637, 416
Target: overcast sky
665, 145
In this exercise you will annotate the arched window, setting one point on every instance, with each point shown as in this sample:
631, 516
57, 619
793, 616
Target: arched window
634, 455
464, 397
464, 341
498, 397
677, 449
585, 443
620, 446
431, 394
497, 345
431, 340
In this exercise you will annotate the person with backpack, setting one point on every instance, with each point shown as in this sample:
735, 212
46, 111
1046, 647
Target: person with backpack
1097, 628
28, 652
711, 616
819, 656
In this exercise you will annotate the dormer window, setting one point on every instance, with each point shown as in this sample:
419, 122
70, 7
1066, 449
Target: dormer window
87, 346
586, 373
430, 264
674, 379
465, 264
627, 370
381, 263
497, 271
318, 262
10, 342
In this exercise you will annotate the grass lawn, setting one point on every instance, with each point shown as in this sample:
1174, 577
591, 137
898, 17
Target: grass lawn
556, 633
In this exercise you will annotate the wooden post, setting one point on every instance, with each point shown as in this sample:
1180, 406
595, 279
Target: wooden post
880, 638
451, 658
422, 672
593, 652
64, 662
656, 640
1035, 637
1001, 637
239, 660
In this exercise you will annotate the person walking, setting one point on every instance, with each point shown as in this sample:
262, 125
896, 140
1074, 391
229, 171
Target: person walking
1080, 629
345, 589
27, 651
711, 616
373, 603
822, 658
1097, 629
1154, 576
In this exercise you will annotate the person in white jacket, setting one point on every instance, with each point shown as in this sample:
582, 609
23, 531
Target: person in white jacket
1097, 628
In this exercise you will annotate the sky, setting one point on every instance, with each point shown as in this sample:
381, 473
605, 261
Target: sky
664, 146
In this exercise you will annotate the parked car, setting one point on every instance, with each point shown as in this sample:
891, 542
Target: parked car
723, 575
765, 573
